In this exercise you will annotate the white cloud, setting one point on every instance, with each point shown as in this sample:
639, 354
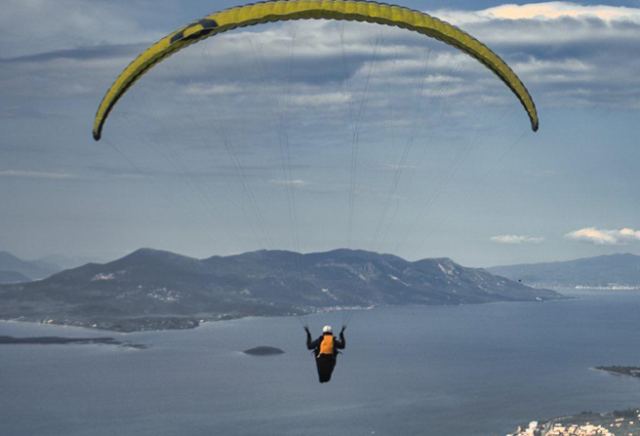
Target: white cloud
207, 89
321, 99
551, 24
398, 167
36, 174
605, 236
542, 11
450, 91
37, 26
543, 66
296, 183
441, 78
304, 66
517, 239
558, 10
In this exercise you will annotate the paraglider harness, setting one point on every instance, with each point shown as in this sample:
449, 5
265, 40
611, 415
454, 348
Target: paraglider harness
325, 352
327, 346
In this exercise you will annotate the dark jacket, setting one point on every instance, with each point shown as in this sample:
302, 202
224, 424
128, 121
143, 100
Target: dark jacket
338, 344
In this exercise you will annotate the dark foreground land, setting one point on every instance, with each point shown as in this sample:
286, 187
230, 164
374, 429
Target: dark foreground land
624, 422
56, 340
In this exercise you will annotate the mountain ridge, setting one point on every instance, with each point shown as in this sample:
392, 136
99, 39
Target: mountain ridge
13, 268
604, 271
155, 289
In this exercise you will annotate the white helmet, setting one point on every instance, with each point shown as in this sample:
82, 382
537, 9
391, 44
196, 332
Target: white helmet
326, 329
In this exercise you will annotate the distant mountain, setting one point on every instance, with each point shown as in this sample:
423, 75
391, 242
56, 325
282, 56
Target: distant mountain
33, 270
65, 262
13, 277
151, 289
616, 271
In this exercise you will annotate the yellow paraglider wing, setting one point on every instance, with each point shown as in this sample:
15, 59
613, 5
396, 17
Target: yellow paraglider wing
280, 10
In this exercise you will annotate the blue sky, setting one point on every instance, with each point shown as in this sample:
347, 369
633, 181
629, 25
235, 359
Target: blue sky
315, 135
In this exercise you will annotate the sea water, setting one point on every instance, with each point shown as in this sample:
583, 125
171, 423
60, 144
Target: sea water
458, 370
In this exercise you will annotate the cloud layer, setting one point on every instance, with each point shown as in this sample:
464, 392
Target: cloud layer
517, 239
605, 236
569, 54
36, 174
546, 11
367, 121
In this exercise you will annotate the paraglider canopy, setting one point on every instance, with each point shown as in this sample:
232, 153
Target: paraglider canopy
281, 10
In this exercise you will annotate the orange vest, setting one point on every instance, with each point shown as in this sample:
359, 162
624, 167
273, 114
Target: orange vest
326, 346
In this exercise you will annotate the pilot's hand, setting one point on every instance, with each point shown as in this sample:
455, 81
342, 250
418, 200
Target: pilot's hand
344, 327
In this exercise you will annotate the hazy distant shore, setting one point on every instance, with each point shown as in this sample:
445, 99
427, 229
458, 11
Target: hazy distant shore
139, 324
57, 340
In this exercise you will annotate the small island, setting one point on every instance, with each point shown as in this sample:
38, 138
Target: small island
632, 371
56, 340
263, 351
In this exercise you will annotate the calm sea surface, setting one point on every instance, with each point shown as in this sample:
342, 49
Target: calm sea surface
465, 370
